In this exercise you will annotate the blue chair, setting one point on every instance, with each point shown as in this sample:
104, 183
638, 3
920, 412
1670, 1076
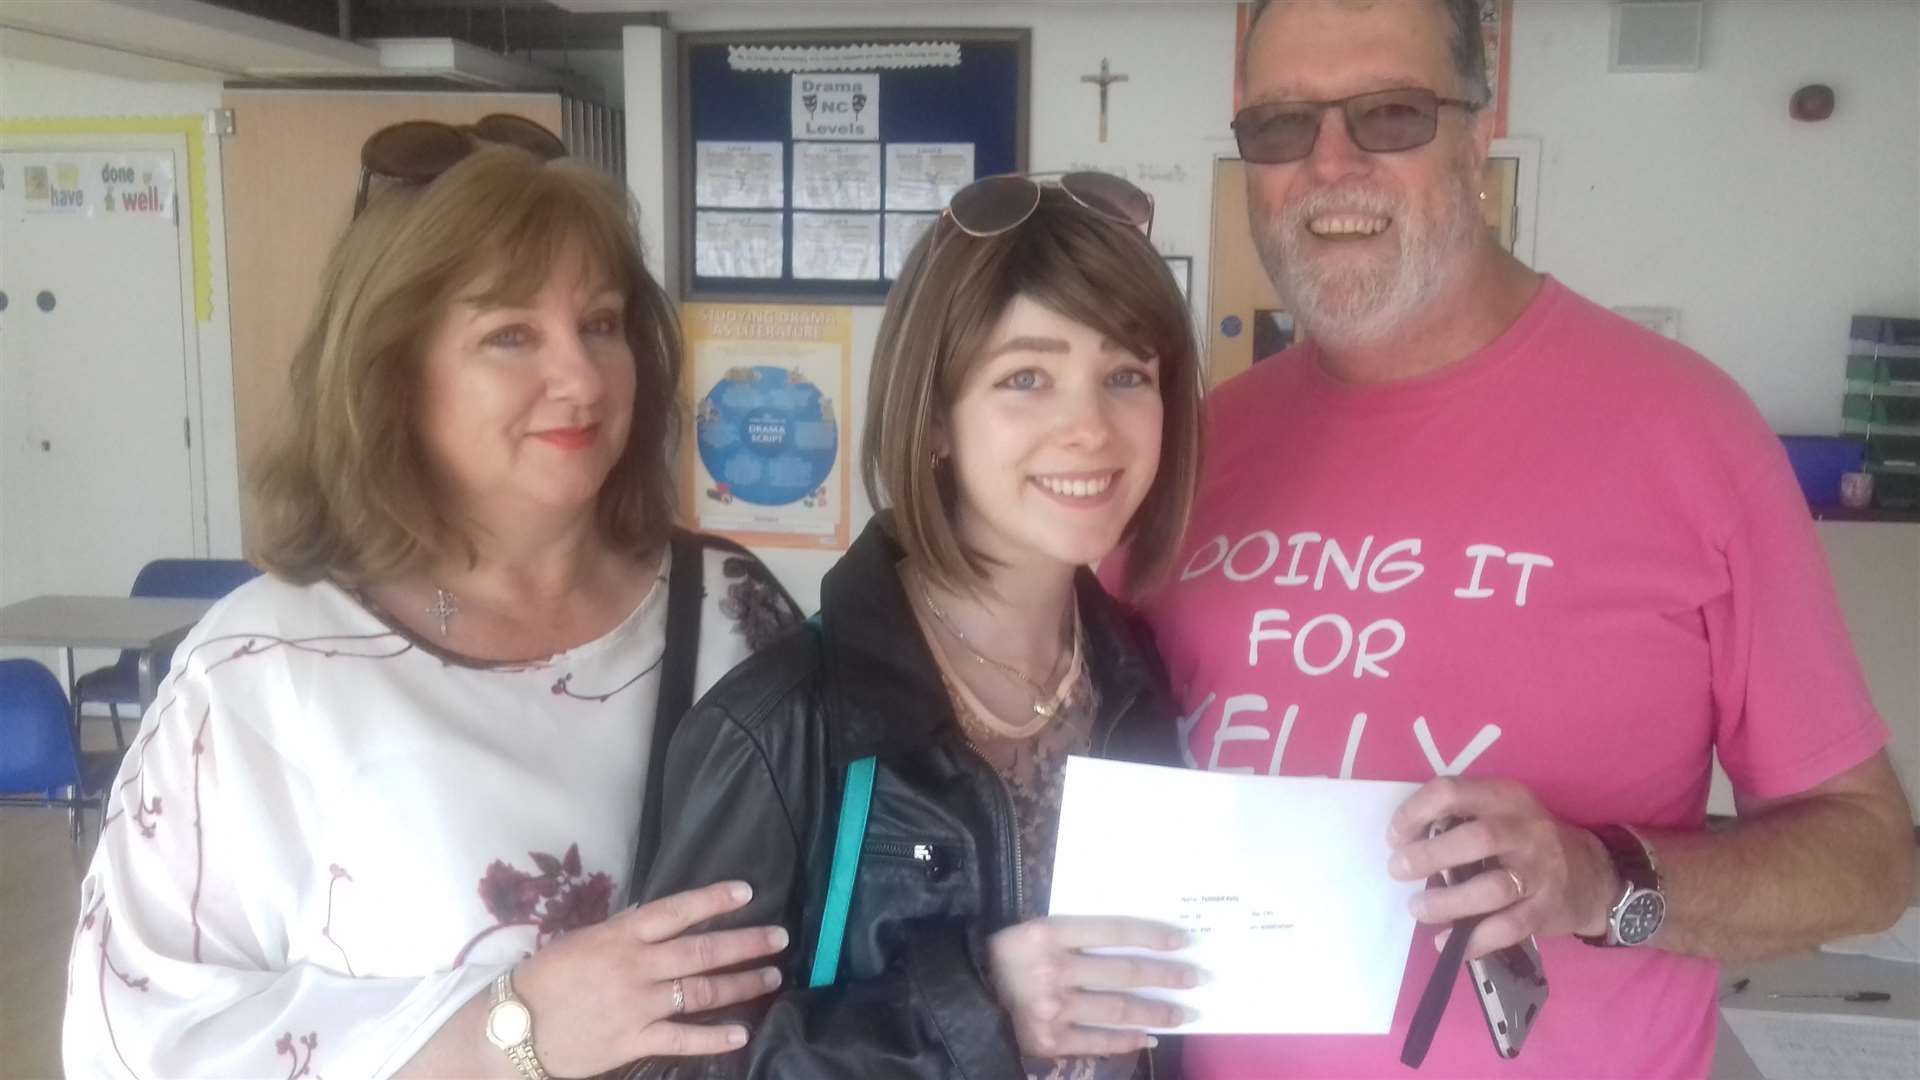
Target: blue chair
40, 764
199, 579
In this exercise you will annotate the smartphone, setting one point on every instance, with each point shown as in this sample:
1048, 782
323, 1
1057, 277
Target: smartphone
1510, 984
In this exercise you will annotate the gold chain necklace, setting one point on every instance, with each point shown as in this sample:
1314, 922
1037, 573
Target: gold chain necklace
1046, 704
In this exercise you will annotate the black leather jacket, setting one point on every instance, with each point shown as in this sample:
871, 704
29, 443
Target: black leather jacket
752, 791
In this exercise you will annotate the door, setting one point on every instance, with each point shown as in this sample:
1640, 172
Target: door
98, 364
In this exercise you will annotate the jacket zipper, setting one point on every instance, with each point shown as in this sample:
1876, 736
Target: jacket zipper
1106, 737
1013, 833
1013, 828
929, 856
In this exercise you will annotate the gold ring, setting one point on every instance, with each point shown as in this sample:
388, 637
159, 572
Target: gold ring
1519, 887
680, 995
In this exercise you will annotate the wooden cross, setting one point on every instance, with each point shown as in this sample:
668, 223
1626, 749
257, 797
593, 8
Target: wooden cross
1103, 80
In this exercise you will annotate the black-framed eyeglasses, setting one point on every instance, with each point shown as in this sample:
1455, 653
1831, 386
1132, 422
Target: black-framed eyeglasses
992, 205
1382, 122
418, 151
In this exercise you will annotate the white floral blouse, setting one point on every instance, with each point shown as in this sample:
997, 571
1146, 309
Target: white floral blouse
327, 836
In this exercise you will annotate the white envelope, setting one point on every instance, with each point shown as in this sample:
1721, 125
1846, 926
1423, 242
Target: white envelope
1282, 881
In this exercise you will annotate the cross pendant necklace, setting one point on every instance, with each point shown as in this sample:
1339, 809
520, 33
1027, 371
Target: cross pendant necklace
1103, 80
444, 608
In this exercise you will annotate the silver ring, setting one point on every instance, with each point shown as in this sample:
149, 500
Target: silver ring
1519, 887
680, 995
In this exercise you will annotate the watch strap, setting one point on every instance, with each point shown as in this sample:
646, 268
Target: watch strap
1632, 860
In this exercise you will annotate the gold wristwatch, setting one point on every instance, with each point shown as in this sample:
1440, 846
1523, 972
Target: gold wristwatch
510, 1027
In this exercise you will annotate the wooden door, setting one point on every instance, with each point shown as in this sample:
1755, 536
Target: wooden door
290, 171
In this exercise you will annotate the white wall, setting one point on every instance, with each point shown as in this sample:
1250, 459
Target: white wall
29, 90
1165, 126
1697, 191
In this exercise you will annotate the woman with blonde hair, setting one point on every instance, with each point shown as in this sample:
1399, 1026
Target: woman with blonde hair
384, 814
890, 782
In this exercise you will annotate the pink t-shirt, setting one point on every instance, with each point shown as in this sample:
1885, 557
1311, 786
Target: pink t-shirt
1577, 560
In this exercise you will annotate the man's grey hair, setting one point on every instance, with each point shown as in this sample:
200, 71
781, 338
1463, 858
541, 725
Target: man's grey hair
1463, 27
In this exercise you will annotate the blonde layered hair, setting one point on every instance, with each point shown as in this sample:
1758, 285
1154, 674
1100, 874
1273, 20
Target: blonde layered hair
347, 493
938, 319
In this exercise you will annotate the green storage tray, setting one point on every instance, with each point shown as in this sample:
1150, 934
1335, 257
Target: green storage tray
1873, 414
1897, 375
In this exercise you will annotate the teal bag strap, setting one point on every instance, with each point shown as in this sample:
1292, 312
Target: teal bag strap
847, 842
846, 867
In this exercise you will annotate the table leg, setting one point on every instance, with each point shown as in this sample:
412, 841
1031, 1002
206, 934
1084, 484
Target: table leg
73, 692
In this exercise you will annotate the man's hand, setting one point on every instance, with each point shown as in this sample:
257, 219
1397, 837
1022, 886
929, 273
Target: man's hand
1561, 880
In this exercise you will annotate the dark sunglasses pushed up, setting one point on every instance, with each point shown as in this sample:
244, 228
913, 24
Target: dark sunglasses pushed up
417, 151
1381, 122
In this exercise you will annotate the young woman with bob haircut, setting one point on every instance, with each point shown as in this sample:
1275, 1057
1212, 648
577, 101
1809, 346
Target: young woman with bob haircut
1035, 403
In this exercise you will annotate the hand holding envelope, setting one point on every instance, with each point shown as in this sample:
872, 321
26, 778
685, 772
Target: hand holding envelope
1066, 1001
1281, 884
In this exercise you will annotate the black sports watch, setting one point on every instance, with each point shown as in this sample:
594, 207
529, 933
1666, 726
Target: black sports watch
1642, 907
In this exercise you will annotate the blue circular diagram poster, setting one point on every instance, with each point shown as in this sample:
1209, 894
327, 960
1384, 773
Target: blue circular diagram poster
768, 465
768, 436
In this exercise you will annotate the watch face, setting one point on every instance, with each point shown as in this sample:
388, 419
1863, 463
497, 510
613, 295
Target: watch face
508, 1024
1641, 917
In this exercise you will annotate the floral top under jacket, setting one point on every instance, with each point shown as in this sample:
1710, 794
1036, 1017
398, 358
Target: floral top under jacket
327, 836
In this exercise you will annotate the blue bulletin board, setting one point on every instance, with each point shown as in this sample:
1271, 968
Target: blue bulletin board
742, 92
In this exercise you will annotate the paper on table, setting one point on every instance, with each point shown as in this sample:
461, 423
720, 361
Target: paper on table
1282, 881
923, 176
733, 244
739, 175
836, 176
1900, 942
904, 231
836, 247
1817, 1046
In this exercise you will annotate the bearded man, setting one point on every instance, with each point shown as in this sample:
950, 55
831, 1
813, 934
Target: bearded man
1477, 532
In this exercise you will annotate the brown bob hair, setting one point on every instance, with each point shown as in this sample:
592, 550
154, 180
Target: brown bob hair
347, 493
940, 313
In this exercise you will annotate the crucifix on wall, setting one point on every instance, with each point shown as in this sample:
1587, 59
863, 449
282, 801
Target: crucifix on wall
1103, 80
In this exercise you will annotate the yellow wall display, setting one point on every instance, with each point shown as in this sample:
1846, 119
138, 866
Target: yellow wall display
187, 126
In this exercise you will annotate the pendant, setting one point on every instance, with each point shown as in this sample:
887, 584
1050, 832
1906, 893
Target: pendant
1046, 710
444, 608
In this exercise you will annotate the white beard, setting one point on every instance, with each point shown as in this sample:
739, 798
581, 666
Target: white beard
1364, 304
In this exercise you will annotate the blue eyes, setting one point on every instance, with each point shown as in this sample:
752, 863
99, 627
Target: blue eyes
1032, 379
519, 336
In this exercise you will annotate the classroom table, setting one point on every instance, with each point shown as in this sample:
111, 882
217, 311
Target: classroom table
67, 623
1811, 973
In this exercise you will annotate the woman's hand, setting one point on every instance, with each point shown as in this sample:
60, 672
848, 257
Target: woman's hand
604, 995
1055, 990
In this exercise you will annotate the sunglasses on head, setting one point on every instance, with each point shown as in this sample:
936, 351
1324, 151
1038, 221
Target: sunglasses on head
996, 204
417, 151
1277, 132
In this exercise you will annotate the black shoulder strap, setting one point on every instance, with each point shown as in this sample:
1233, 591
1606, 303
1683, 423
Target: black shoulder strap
685, 598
